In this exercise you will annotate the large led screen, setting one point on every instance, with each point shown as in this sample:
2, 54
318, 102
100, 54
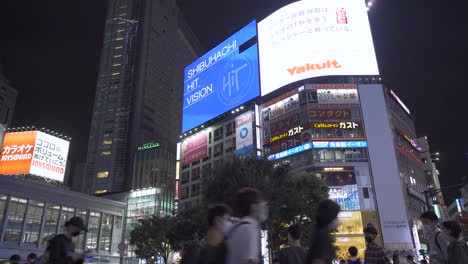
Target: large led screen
312, 38
222, 79
36, 153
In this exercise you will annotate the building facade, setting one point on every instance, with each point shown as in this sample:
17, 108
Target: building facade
146, 46
32, 212
357, 137
7, 103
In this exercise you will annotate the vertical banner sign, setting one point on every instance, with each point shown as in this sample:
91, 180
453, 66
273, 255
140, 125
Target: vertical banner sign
17, 152
195, 148
244, 134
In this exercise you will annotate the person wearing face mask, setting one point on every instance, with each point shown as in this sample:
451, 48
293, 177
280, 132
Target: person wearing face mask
295, 253
243, 242
374, 254
321, 250
457, 250
61, 249
438, 243
219, 225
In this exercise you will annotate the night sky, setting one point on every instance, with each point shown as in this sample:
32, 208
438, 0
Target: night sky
51, 51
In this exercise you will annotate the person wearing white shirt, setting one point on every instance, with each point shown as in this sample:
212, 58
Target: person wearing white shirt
244, 239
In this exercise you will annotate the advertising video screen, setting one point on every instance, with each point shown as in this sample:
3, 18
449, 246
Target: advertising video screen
35, 153
313, 38
224, 78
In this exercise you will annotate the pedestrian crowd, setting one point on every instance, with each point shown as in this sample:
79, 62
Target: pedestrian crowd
239, 242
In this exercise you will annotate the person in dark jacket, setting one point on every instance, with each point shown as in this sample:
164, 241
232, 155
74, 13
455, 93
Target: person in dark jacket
15, 259
457, 250
321, 249
61, 249
295, 253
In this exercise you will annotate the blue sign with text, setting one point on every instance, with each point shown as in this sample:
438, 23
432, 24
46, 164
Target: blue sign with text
340, 144
292, 151
222, 79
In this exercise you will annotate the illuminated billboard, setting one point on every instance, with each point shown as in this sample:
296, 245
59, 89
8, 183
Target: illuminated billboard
224, 78
312, 38
34, 152
194, 148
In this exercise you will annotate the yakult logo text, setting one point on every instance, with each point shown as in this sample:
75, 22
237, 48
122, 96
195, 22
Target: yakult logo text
314, 67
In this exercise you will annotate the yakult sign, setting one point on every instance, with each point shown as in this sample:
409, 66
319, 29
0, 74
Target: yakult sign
312, 38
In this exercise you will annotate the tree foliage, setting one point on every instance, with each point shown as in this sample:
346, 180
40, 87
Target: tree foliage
189, 226
292, 196
150, 238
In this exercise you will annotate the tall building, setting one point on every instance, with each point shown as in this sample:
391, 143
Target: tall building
146, 47
8, 96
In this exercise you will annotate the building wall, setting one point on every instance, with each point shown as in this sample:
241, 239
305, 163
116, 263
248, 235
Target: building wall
31, 212
146, 47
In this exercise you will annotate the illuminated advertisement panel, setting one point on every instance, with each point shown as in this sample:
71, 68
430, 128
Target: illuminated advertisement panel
337, 96
329, 114
339, 144
312, 38
350, 223
343, 244
195, 148
35, 153
17, 152
224, 78
291, 151
347, 197
244, 134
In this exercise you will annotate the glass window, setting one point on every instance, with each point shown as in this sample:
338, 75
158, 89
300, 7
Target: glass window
102, 174
106, 231
15, 219
79, 241
50, 221
3, 198
93, 230
67, 213
33, 222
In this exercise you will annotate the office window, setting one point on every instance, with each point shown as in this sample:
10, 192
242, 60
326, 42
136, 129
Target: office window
119, 47
67, 213
102, 174
3, 198
100, 191
93, 230
105, 153
107, 142
106, 230
79, 241
15, 219
33, 221
51, 221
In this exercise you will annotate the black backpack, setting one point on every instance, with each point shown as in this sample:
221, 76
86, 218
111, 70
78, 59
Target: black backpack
223, 247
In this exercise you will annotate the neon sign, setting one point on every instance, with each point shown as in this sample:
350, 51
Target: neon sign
147, 146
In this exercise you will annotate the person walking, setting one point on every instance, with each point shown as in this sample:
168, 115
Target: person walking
396, 259
14, 259
219, 224
321, 250
438, 243
31, 258
295, 253
61, 249
374, 254
410, 259
243, 242
353, 253
457, 251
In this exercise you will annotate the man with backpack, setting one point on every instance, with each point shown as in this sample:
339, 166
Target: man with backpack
353, 252
457, 250
438, 243
243, 242
61, 249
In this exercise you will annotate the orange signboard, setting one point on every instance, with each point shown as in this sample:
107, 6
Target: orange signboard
17, 152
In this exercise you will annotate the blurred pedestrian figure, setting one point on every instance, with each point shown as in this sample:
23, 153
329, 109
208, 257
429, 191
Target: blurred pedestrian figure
457, 250
321, 249
219, 224
438, 243
423, 261
410, 259
61, 249
342, 261
190, 253
15, 259
353, 253
396, 259
295, 253
374, 254
243, 241
31, 258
